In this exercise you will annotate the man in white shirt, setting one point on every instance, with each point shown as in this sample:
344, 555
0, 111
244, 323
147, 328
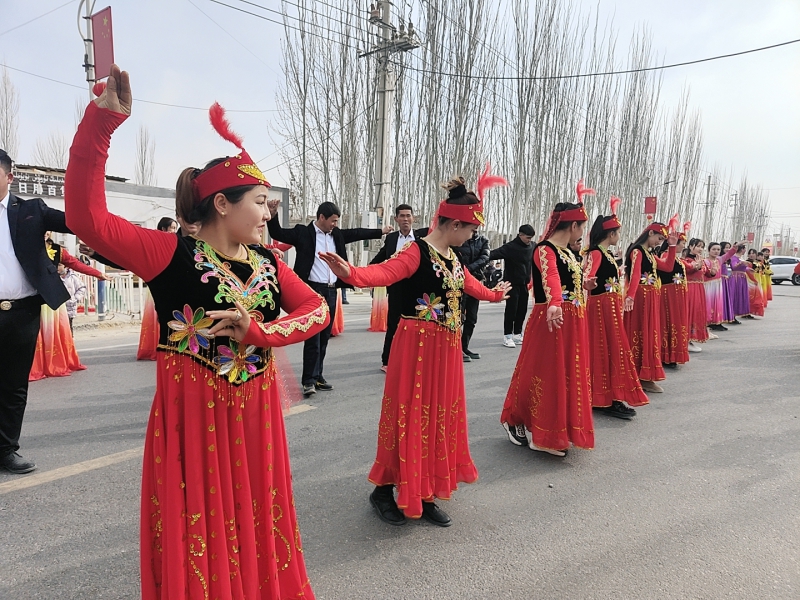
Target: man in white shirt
27, 278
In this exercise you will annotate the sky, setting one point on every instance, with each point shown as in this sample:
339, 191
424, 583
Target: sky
193, 52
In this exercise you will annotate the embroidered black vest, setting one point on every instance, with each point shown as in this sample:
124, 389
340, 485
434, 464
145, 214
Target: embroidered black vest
197, 280
677, 275
569, 272
433, 292
649, 274
608, 280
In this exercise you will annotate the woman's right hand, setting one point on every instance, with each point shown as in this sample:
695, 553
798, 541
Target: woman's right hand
117, 96
555, 318
339, 266
628, 304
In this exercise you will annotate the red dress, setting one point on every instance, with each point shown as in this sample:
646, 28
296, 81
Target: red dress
218, 518
338, 319
643, 323
423, 445
674, 315
148, 334
551, 388
55, 354
696, 298
613, 370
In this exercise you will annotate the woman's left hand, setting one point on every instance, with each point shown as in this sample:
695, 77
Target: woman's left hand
673, 239
232, 323
589, 283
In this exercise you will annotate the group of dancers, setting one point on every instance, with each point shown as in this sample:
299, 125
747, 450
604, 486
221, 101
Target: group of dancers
217, 508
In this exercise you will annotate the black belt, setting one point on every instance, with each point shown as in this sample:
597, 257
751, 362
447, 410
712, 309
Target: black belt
21, 303
322, 285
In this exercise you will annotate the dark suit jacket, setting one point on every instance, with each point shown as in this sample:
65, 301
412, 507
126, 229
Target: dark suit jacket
304, 240
390, 245
28, 221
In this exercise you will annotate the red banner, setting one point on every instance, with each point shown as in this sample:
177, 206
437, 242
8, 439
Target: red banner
780, 244
650, 205
103, 43
751, 237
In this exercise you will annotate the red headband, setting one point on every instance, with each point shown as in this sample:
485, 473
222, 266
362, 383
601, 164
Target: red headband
612, 223
234, 170
466, 213
658, 228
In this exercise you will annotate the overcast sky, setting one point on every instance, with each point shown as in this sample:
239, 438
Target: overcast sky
750, 105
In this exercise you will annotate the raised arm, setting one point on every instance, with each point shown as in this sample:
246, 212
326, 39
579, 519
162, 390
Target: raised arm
73, 263
476, 289
307, 314
400, 266
636, 273
666, 262
276, 232
144, 251
728, 255
499, 253
358, 234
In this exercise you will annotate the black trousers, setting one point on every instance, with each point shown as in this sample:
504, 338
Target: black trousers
393, 315
315, 347
19, 328
516, 309
471, 306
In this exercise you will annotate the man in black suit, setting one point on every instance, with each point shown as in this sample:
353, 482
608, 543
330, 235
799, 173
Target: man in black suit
395, 241
27, 278
321, 235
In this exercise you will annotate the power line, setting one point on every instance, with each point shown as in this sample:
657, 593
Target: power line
36, 18
601, 74
83, 87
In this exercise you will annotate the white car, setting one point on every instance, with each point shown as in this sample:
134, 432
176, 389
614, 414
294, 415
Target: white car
783, 268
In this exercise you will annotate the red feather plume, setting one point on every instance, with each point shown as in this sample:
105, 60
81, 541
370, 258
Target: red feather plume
583, 191
486, 181
687, 227
615, 202
216, 114
674, 222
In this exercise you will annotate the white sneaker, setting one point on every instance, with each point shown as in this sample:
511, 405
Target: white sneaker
508, 342
533, 446
694, 347
517, 338
712, 336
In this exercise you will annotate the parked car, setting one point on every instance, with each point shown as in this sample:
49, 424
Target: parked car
784, 268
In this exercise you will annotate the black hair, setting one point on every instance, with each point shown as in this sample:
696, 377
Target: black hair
327, 210
765, 250
643, 237
457, 194
5, 161
401, 207
527, 230
561, 207
723, 244
200, 212
597, 234
164, 223
692, 243
752, 251
741, 247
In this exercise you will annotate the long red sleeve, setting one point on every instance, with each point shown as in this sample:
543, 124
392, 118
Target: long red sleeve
144, 251
636, 274
73, 263
278, 246
666, 263
593, 260
307, 314
545, 260
400, 266
476, 289
728, 255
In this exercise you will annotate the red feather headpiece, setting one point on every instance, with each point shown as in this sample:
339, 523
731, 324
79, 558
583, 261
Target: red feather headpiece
234, 170
613, 222
674, 223
686, 228
574, 214
582, 191
470, 213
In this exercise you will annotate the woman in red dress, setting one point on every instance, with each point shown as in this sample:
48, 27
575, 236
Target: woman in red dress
643, 302
696, 292
423, 445
674, 309
614, 377
550, 394
218, 518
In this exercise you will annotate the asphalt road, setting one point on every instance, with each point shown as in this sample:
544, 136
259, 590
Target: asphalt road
695, 498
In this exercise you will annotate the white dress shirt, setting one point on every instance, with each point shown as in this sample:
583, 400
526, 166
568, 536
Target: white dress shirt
402, 240
13, 282
320, 271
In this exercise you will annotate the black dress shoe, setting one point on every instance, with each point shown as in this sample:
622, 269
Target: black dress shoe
618, 410
308, 389
16, 464
735, 322
472, 355
434, 514
465, 357
323, 385
383, 500
749, 317
670, 365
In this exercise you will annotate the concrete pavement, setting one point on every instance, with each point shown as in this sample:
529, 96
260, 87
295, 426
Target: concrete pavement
695, 498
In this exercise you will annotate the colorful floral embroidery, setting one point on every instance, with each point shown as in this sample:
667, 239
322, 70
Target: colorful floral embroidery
573, 298
429, 307
237, 362
190, 329
453, 283
677, 278
612, 285
648, 279
302, 323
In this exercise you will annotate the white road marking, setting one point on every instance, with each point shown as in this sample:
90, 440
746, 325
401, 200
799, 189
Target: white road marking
70, 470
300, 408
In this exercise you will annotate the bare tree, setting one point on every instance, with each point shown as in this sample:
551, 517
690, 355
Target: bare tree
9, 112
145, 158
52, 151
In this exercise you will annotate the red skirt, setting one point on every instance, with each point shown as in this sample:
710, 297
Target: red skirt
148, 334
613, 370
218, 518
423, 443
338, 319
674, 323
698, 313
551, 389
643, 326
55, 349
380, 310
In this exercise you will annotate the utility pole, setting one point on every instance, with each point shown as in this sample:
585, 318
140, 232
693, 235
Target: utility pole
391, 40
736, 229
87, 6
706, 228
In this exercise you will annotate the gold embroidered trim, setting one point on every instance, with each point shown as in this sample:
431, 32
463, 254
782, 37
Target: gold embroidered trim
301, 323
543, 259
